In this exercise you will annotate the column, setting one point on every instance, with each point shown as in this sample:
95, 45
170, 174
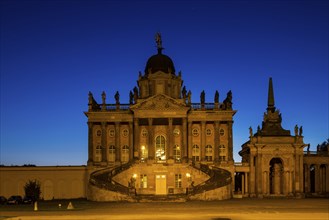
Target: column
307, 178
327, 178
268, 190
131, 141
90, 143
151, 146
184, 141
301, 177
252, 175
136, 139
297, 174
216, 141
189, 143
230, 141
265, 183
259, 173
286, 183
117, 142
246, 182
169, 149
104, 142
203, 140
243, 184
316, 178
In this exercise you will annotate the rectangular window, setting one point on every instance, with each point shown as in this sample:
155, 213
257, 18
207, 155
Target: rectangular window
143, 181
178, 180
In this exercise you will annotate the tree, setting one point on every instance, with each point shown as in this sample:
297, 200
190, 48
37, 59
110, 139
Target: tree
33, 189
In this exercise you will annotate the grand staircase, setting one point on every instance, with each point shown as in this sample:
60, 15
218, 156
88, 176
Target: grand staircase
104, 179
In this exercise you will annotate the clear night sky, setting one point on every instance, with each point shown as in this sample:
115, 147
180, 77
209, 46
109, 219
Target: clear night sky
54, 52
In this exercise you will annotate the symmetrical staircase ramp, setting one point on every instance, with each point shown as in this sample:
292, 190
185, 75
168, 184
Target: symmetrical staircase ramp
104, 179
218, 178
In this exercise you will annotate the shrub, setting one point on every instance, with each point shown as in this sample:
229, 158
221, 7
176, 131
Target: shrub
33, 189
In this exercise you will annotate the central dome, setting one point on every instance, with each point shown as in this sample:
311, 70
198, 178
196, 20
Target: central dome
159, 62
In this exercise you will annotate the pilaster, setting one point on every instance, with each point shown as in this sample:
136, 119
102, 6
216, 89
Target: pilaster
90, 144
151, 146
170, 139
203, 140
137, 152
117, 142
216, 142
104, 143
131, 141
184, 141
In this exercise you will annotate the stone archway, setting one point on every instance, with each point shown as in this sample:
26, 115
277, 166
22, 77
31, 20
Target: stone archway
276, 176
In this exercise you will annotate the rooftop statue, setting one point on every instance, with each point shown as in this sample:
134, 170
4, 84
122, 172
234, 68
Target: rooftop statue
158, 40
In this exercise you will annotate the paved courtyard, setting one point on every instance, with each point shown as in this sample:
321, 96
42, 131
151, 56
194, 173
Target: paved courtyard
234, 209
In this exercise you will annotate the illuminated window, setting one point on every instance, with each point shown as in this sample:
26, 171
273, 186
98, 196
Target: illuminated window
209, 153
125, 132
178, 180
195, 153
177, 153
98, 153
195, 132
111, 157
222, 153
221, 149
222, 158
144, 153
125, 154
111, 133
160, 148
143, 179
208, 132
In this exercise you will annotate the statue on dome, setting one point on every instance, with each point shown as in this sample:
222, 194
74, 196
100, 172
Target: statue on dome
158, 40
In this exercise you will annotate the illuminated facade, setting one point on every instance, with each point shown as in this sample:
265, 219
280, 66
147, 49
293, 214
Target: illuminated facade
160, 132
160, 145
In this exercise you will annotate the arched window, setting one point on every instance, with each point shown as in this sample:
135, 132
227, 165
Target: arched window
222, 153
125, 154
209, 153
98, 153
160, 148
144, 153
195, 153
177, 153
111, 156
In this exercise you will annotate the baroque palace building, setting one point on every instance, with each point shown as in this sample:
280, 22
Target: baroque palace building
160, 146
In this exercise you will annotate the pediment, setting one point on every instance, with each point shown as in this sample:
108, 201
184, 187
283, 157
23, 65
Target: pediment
160, 102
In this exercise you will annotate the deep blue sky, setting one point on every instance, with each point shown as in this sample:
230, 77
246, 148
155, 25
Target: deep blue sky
54, 52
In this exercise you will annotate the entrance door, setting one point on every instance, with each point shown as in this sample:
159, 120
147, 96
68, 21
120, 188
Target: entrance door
160, 185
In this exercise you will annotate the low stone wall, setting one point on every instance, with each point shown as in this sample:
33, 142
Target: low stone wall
101, 195
57, 182
221, 193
